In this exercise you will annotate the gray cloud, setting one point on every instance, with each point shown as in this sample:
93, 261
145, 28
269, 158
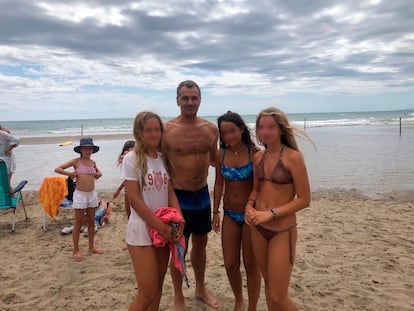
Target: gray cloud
296, 45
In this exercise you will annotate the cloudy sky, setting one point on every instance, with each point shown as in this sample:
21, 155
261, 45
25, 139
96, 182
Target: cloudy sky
113, 58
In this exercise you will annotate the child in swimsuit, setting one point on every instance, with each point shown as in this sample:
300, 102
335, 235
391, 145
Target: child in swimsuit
85, 199
280, 189
234, 175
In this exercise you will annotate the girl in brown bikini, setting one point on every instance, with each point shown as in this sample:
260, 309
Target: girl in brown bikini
280, 189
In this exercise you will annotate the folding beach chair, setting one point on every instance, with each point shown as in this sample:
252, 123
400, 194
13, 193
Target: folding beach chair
10, 201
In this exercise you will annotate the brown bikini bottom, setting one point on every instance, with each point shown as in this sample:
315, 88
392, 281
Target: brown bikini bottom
268, 234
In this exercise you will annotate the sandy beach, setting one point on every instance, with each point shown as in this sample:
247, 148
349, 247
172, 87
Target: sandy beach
353, 253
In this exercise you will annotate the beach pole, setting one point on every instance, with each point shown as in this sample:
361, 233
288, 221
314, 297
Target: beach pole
81, 129
400, 126
304, 124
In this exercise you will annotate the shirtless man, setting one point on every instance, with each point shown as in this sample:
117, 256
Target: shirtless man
192, 143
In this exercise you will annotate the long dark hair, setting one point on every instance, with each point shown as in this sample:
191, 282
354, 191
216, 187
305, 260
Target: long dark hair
236, 119
129, 144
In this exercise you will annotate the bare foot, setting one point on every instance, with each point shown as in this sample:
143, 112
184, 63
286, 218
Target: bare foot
96, 250
208, 300
179, 304
238, 305
78, 256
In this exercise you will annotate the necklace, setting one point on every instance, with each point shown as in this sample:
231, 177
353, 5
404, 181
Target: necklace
152, 153
238, 151
277, 152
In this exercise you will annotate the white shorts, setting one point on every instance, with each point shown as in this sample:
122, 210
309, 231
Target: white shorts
137, 233
82, 200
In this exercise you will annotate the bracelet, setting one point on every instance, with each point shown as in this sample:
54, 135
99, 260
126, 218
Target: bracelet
274, 213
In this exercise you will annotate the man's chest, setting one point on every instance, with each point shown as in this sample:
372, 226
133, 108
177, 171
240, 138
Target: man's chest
189, 141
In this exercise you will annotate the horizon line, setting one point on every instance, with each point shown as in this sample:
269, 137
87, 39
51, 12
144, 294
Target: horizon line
210, 115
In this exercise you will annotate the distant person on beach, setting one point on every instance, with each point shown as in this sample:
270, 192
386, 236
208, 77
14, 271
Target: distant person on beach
234, 175
7, 143
128, 146
103, 213
280, 189
85, 198
148, 187
191, 145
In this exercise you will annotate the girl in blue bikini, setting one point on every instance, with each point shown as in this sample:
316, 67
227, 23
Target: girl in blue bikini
234, 175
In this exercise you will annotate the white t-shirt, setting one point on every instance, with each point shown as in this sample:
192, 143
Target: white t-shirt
154, 192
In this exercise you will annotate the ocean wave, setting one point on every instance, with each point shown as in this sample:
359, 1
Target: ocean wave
94, 130
124, 126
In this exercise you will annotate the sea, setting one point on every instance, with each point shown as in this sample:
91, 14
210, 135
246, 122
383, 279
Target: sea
370, 152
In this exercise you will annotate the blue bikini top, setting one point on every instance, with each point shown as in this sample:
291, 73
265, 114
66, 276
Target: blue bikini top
241, 173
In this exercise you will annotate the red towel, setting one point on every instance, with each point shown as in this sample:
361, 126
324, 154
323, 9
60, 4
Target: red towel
168, 215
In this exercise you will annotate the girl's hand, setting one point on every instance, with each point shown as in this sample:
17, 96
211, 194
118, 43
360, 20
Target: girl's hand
259, 217
98, 175
216, 223
116, 193
249, 214
167, 233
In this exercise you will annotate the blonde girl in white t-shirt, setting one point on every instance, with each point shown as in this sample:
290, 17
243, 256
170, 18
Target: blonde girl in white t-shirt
148, 187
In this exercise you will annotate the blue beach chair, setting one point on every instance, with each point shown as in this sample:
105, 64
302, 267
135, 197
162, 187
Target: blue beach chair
10, 201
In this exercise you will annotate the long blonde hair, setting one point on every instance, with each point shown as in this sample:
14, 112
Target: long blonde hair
140, 147
288, 132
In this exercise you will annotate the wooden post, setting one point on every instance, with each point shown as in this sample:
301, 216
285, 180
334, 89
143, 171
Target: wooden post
304, 124
81, 129
400, 126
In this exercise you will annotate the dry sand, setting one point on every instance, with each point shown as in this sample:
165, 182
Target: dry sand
353, 253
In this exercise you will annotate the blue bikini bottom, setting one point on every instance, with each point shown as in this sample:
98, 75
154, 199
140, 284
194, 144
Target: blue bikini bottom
236, 216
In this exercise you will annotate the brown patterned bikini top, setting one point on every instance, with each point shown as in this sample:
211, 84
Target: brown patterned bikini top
280, 175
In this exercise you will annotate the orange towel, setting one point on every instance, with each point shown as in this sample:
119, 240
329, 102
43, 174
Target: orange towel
51, 194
